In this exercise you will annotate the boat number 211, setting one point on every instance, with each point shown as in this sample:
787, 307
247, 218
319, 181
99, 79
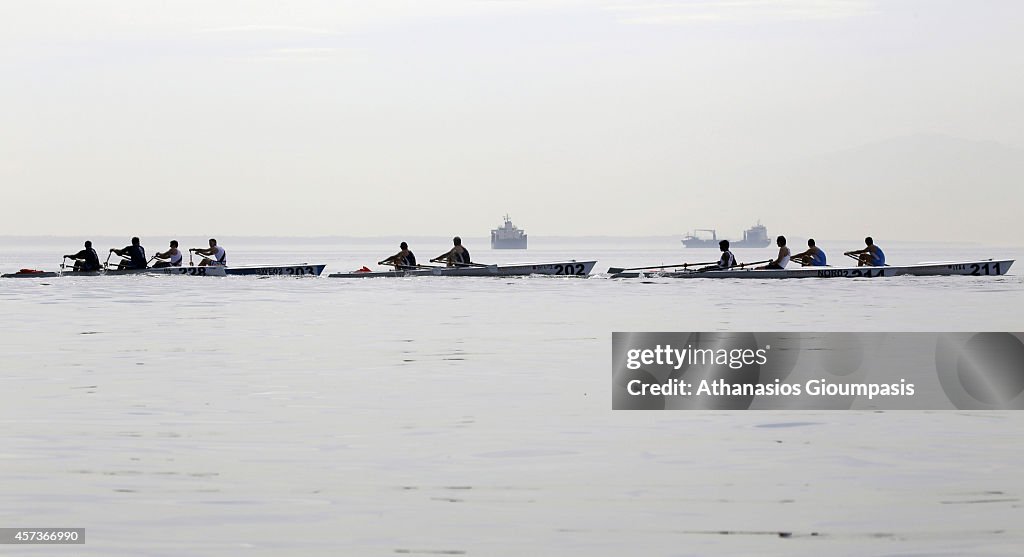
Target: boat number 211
983, 269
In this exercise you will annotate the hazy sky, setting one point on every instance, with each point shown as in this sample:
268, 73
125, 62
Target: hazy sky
577, 117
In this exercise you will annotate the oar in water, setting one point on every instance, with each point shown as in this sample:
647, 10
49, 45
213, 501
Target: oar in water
614, 270
196, 251
106, 264
63, 264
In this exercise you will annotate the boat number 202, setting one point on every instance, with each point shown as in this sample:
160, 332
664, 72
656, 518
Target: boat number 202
984, 269
569, 269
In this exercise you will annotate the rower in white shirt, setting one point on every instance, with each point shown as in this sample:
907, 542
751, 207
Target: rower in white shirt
782, 260
169, 258
214, 255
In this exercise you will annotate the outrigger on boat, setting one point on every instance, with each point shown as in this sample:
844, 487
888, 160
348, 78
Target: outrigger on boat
561, 268
985, 267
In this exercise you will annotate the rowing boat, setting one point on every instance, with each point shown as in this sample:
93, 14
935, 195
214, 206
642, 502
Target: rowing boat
211, 271
301, 270
562, 268
932, 269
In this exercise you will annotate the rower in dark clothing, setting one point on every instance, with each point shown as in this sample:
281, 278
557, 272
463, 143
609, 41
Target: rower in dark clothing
87, 259
403, 259
727, 260
458, 256
133, 256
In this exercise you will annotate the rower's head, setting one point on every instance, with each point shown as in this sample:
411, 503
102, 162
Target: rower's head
174, 243
88, 244
135, 240
781, 241
869, 241
810, 243
723, 245
213, 242
457, 241
404, 246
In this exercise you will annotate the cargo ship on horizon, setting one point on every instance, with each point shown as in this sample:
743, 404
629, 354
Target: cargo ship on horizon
754, 237
508, 236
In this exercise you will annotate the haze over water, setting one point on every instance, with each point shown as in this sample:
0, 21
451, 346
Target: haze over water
318, 417
203, 416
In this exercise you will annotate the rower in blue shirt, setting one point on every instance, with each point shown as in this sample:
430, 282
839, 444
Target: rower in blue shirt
813, 257
871, 256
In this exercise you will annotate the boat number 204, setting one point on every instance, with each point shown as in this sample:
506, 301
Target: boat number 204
569, 269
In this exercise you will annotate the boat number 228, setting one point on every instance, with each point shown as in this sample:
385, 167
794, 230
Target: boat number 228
569, 269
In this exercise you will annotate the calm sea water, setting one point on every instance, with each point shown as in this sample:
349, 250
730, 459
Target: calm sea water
203, 416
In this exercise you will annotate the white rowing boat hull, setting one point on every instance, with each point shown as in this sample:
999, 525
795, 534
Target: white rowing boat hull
561, 268
301, 270
986, 267
174, 271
